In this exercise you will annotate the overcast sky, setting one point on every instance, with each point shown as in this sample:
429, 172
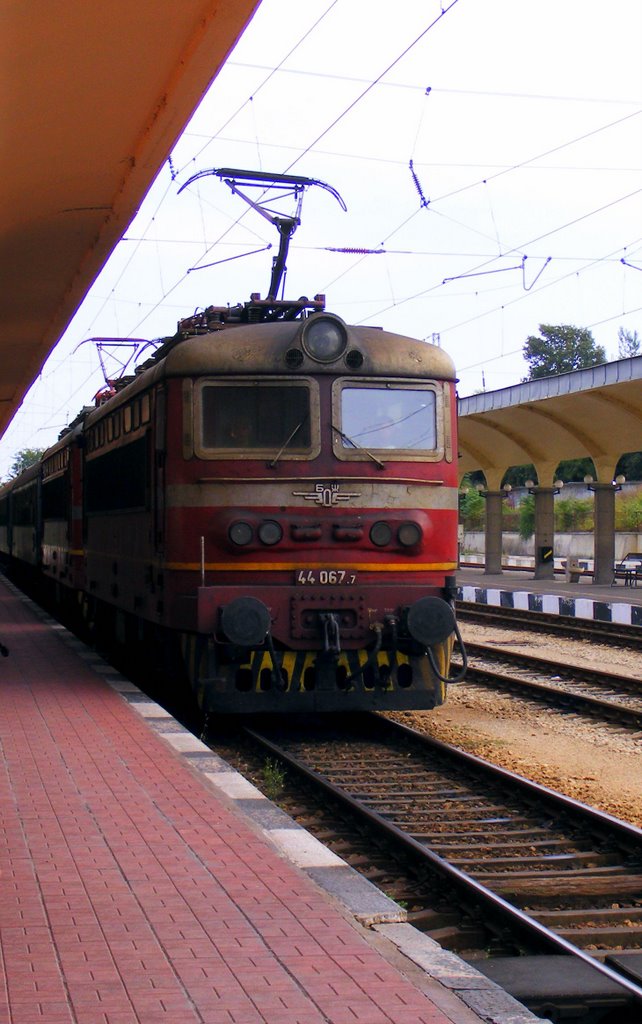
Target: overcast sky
523, 122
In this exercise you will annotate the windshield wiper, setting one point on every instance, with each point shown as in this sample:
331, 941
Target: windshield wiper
278, 455
359, 447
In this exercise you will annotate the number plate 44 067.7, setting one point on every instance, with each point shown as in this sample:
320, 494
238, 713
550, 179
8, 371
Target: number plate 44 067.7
325, 577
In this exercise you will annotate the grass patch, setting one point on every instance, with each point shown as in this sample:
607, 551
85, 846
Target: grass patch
273, 779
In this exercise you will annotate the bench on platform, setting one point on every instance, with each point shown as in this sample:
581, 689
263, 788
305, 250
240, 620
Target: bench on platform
629, 570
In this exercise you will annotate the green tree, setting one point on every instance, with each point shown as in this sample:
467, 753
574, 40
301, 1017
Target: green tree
561, 348
527, 517
630, 465
573, 514
628, 343
23, 459
628, 512
517, 476
574, 470
472, 507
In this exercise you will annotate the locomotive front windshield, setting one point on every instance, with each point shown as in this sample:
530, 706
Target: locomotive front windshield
256, 416
389, 418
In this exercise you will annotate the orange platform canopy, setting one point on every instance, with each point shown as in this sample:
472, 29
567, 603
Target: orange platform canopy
94, 96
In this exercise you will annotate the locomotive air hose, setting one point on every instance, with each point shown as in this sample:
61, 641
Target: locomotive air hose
464, 661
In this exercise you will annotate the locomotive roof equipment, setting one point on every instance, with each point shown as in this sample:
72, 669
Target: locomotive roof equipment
285, 185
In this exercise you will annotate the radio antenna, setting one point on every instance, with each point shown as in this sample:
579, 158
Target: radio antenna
285, 186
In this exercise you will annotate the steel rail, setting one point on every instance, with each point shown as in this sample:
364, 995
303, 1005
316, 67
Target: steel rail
602, 707
531, 932
548, 622
560, 668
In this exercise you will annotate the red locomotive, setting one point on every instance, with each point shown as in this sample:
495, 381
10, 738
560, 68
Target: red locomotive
270, 503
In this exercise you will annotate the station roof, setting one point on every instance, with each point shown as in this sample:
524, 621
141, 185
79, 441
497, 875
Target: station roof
94, 98
595, 412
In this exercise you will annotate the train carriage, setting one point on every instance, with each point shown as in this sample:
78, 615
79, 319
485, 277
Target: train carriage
62, 551
23, 531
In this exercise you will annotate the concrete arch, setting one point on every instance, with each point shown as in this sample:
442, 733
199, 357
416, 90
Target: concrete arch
595, 413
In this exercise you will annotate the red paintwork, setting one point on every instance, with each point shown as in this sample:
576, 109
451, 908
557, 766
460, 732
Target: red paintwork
381, 590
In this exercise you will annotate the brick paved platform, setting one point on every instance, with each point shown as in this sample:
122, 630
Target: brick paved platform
134, 889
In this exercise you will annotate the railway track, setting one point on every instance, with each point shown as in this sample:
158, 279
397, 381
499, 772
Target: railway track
490, 864
608, 696
615, 633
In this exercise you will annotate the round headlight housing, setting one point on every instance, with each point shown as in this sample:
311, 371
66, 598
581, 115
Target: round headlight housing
324, 338
270, 532
240, 533
409, 534
380, 534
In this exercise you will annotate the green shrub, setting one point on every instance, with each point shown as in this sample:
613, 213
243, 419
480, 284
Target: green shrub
628, 512
510, 519
527, 517
472, 510
573, 514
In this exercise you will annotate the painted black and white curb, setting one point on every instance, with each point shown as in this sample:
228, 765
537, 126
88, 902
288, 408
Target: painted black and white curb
553, 604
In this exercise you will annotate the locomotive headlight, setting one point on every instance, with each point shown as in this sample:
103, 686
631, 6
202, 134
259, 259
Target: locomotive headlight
240, 533
270, 532
409, 534
380, 534
324, 338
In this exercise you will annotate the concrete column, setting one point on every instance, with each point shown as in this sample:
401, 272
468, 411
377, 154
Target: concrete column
494, 510
604, 534
544, 531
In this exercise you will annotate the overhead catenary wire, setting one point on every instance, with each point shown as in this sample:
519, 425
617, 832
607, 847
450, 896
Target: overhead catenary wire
394, 161
516, 249
174, 174
519, 298
484, 181
362, 249
444, 11
412, 86
370, 84
271, 73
